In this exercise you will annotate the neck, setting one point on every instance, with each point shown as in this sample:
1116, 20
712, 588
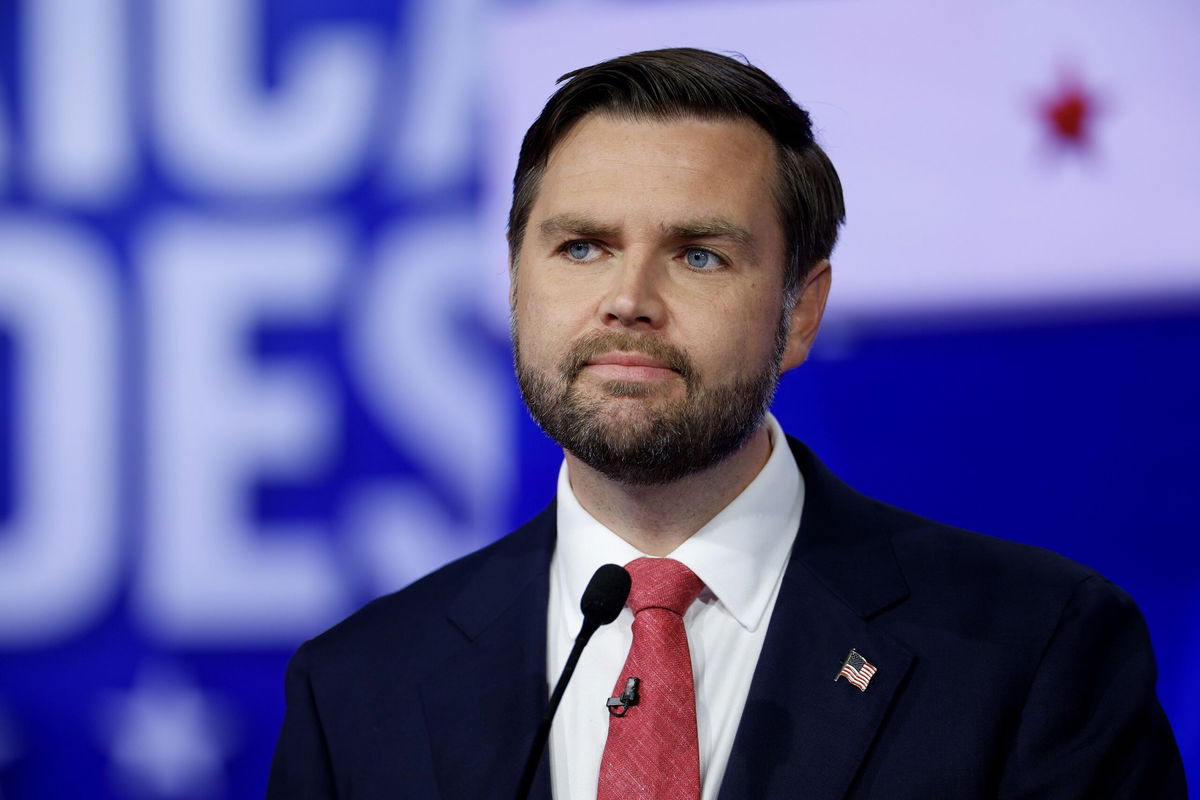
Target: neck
657, 519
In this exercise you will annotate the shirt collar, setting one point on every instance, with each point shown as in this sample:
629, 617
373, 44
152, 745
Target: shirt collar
740, 554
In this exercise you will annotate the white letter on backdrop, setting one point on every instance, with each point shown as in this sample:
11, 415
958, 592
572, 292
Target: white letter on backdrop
217, 422
77, 89
59, 550
442, 390
438, 109
221, 133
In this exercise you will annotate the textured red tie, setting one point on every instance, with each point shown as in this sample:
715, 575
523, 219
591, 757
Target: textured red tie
652, 752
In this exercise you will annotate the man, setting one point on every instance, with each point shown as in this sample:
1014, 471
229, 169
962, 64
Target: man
670, 232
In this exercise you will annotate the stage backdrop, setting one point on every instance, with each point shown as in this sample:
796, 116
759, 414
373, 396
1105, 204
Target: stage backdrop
254, 364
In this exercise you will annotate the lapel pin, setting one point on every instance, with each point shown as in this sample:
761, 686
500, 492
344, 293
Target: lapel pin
857, 670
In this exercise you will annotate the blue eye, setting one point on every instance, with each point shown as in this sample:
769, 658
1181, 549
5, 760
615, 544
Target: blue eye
580, 251
702, 259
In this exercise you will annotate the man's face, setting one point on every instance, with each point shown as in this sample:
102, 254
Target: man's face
648, 311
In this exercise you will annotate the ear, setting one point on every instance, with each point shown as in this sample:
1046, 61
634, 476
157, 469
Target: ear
806, 316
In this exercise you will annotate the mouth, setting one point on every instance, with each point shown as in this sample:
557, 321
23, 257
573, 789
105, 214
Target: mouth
626, 366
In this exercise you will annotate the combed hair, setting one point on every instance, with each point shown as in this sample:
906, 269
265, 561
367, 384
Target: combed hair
682, 83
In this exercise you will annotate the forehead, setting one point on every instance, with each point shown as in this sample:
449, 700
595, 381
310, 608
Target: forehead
660, 171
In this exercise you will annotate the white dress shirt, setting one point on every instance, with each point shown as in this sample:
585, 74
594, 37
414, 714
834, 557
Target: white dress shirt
740, 555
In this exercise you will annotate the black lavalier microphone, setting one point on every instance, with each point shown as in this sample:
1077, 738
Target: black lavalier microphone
602, 601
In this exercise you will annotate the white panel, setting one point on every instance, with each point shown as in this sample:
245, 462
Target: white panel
930, 111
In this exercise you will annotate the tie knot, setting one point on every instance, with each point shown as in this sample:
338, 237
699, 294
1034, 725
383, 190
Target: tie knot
661, 583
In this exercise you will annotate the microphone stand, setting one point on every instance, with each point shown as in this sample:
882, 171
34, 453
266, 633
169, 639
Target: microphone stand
602, 600
590, 626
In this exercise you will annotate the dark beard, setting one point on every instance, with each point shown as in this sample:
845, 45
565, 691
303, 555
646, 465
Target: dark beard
682, 438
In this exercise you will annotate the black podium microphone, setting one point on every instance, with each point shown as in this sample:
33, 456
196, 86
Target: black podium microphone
602, 601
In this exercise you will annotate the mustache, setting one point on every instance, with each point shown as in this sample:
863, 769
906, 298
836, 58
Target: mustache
596, 344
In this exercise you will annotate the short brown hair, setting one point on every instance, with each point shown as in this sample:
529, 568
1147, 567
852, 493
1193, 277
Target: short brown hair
686, 82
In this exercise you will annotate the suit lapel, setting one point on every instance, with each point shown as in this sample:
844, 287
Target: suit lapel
801, 732
482, 705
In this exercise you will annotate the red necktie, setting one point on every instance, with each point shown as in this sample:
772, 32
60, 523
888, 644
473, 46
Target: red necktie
652, 752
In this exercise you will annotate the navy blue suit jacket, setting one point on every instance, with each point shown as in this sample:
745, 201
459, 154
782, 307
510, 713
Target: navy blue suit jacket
1003, 671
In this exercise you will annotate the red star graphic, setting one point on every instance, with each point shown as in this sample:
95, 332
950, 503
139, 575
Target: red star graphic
1069, 113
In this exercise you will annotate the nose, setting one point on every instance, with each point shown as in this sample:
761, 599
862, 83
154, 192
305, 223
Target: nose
634, 299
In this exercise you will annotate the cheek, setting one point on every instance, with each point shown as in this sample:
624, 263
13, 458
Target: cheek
735, 335
540, 332
554, 311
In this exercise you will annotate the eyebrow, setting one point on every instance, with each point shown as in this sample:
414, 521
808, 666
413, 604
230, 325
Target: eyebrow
575, 225
713, 228
707, 228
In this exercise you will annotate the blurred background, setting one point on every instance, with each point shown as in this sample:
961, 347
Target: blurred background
254, 364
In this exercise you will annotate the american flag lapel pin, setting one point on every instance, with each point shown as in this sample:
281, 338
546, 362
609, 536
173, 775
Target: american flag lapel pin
857, 670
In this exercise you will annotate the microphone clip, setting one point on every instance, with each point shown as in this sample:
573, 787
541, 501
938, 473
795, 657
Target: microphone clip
619, 706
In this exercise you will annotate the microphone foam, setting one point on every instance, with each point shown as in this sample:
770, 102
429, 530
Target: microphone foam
606, 593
